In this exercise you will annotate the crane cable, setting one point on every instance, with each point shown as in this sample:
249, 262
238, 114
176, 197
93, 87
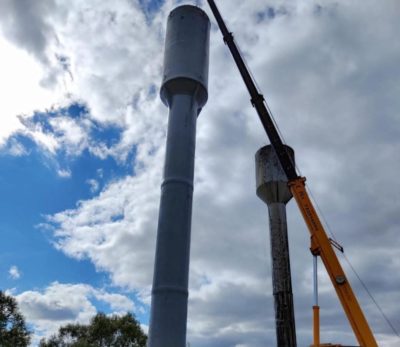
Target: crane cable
372, 298
385, 317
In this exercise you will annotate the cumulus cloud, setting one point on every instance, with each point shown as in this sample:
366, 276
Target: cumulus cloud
114, 220
16, 148
14, 272
25, 23
330, 73
20, 88
62, 303
93, 184
64, 173
104, 56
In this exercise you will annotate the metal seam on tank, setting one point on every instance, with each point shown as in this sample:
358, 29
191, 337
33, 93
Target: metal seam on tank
201, 87
178, 180
184, 7
168, 289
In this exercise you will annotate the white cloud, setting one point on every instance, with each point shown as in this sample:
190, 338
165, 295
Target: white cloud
71, 134
64, 173
115, 220
20, 88
93, 184
61, 303
105, 56
117, 302
14, 272
16, 148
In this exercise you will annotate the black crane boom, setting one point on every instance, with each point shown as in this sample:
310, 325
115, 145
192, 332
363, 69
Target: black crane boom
257, 99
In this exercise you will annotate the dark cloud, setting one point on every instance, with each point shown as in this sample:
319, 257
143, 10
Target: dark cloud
26, 24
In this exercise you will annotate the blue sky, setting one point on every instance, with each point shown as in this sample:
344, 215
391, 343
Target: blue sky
35, 189
82, 138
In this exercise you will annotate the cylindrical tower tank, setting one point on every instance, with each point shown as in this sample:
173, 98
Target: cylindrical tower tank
272, 188
184, 91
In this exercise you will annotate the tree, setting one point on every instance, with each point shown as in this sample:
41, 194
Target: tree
103, 331
13, 331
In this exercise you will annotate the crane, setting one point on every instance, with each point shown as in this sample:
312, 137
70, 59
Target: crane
321, 244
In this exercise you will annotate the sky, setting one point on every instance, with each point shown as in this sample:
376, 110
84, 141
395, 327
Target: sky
82, 143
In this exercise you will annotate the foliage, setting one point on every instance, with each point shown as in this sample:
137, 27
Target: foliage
103, 331
13, 331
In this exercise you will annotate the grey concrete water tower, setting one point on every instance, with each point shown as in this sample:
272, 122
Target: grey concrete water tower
184, 91
272, 188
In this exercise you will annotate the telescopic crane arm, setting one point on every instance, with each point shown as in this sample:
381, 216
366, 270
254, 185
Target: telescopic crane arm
257, 99
320, 243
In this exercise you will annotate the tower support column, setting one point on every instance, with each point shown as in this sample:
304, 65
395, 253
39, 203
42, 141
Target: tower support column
184, 91
273, 190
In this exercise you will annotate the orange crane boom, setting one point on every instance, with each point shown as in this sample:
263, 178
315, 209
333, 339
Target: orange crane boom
321, 246
320, 243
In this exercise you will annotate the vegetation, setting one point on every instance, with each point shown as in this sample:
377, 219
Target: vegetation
103, 331
13, 331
